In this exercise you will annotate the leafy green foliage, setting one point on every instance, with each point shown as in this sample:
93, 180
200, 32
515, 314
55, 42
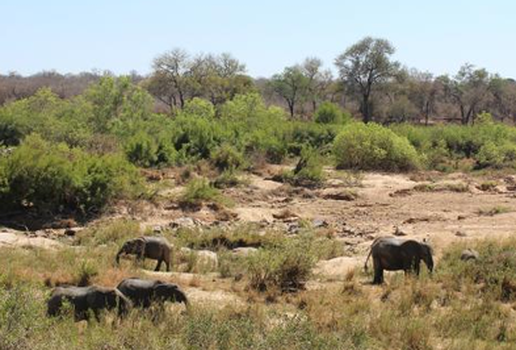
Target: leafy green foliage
330, 113
56, 177
373, 147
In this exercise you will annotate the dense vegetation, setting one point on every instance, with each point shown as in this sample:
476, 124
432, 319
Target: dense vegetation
84, 150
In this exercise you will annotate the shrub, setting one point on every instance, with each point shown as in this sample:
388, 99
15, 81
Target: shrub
57, 178
308, 171
373, 147
198, 107
197, 192
330, 113
227, 157
285, 267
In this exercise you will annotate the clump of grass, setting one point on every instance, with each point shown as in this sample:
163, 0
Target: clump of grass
198, 192
499, 209
227, 179
443, 187
488, 186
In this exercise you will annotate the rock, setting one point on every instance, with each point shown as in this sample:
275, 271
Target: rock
460, 234
186, 251
244, 251
226, 215
318, 223
461, 217
207, 257
469, 254
399, 232
158, 229
184, 222
342, 195
70, 232
337, 267
293, 228
285, 214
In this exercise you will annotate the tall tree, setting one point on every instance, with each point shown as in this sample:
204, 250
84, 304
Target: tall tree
364, 66
469, 89
290, 85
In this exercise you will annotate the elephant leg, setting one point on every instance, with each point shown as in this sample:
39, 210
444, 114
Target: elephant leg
158, 266
96, 312
378, 274
167, 264
417, 266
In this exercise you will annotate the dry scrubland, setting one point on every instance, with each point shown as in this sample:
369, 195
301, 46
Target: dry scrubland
304, 287
270, 232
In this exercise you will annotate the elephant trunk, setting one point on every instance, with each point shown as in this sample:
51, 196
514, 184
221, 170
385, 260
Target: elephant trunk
117, 259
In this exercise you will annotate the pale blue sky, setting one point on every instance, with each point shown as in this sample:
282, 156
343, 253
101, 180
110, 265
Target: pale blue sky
72, 36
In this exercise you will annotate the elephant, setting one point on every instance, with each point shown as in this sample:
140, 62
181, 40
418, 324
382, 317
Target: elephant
157, 248
86, 299
144, 293
391, 254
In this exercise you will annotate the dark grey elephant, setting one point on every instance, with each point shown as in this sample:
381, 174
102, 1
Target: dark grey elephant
145, 293
87, 299
391, 254
157, 248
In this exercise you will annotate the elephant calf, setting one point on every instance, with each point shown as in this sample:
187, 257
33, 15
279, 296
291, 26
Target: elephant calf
157, 248
144, 293
391, 254
86, 299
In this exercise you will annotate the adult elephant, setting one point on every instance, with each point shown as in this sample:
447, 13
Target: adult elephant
87, 299
157, 248
392, 254
145, 293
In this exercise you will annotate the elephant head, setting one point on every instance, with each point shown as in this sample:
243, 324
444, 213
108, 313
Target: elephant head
134, 246
426, 256
170, 292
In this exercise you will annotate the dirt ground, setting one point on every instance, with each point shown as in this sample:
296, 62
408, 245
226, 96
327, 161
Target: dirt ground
385, 204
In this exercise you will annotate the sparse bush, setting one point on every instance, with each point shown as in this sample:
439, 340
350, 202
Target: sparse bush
285, 267
373, 147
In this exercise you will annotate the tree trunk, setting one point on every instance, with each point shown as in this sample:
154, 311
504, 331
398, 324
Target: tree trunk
291, 109
365, 109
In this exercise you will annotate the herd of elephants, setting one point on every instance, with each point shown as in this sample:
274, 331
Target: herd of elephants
388, 253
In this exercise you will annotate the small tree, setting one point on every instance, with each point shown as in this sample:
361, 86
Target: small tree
290, 85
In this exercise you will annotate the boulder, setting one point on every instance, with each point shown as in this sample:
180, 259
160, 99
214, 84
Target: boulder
469, 254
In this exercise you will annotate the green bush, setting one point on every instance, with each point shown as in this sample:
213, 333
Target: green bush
330, 113
373, 147
59, 178
227, 157
198, 107
199, 191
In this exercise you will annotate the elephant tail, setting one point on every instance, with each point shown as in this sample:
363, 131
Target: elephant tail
367, 259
